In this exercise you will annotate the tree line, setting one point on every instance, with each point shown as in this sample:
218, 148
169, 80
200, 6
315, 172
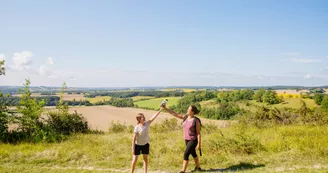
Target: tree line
129, 94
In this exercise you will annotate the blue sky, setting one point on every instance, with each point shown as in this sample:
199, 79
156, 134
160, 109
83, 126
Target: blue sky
164, 43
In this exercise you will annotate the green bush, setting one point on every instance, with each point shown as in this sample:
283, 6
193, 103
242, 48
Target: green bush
119, 128
226, 110
67, 123
239, 142
166, 126
4, 116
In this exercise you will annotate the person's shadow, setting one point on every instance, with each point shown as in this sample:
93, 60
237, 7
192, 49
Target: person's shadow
234, 168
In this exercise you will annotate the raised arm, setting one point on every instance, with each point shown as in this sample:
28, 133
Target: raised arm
181, 116
155, 115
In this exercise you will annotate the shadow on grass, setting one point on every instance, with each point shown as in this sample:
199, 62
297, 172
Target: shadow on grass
234, 168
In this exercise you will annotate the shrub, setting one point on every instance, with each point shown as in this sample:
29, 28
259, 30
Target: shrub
67, 123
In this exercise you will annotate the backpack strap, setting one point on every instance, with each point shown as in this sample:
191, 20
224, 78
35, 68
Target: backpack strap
194, 123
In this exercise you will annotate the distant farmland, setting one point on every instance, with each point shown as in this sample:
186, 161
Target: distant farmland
98, 99
154, 103
137, 98
68, 97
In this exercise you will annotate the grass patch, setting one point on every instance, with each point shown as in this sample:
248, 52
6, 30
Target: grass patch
279, 148
289, 103
296, 103
154, 103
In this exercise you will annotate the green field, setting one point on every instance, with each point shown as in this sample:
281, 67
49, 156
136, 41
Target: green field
296, 103
154, 103
300, 149
98, 98
290, 103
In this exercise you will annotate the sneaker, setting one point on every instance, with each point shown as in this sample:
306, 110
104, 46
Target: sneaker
198, 169
181, 172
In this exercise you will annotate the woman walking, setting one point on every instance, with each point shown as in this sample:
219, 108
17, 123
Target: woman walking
192, 137
140, 140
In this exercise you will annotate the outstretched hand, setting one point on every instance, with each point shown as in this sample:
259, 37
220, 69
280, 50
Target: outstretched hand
163, 106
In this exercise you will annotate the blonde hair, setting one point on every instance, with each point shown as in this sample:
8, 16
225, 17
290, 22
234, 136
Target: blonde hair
138, 117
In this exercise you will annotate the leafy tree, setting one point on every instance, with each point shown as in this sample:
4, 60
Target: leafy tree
270, 97
29, 109
318, 98
258, 95
247, 94
2, 68
4, 116
61, 105
324, 103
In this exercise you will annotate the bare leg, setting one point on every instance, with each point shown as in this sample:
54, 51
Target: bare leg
184, 165
197, 162
134, 161
145, 158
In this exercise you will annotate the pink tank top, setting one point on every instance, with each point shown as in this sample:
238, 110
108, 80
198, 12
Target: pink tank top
189, 132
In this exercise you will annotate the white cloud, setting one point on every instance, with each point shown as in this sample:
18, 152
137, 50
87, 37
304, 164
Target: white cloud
2, 57
46, 71
22, 60
307, 76
306, 60
50, 61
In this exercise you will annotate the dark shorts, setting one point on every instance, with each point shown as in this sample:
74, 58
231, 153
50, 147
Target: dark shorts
144, 149
190, 149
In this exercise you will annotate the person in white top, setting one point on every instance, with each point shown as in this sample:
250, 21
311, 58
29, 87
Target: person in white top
140, 140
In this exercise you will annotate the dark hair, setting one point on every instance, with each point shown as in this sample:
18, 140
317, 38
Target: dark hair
194, 109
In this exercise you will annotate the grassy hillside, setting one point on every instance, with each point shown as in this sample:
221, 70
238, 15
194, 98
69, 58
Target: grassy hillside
277, 149
291, 103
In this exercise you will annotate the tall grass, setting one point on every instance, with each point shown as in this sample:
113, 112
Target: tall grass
302, 148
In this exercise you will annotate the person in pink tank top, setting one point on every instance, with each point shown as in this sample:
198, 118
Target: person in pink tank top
191, 135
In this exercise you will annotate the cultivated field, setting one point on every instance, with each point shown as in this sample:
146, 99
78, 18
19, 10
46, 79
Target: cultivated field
100, 117
77, 97
98, 98
291, 91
